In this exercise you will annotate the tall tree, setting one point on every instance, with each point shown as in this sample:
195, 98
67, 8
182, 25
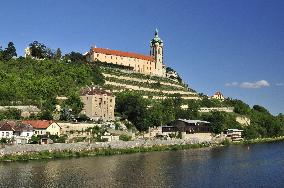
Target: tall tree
9, 52
38, 50
58, 54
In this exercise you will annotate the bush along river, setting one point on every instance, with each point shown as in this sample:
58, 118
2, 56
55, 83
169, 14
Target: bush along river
247, 165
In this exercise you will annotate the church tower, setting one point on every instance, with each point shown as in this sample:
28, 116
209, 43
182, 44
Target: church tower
156, 51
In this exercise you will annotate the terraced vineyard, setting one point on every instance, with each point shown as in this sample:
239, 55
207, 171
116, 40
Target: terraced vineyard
118, 80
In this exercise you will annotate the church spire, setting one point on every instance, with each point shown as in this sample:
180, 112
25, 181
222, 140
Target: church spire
156, 33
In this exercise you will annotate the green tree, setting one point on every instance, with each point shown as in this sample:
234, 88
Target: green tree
74, 103
9, 52
58, 54
74, 57
134, 107
38, 50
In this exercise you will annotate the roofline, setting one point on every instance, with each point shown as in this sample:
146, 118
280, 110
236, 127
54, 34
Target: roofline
123, 54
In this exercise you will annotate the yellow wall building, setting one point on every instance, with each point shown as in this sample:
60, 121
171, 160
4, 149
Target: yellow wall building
146, 64
98, 104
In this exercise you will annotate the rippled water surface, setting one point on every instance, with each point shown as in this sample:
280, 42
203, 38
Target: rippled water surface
259, 165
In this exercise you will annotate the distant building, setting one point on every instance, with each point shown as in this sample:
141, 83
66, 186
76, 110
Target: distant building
219, 109
152, 64
234, 134
6, 130
98, 103
172, 74
189, 129
44, 127
218, 95
23, 133
28, 52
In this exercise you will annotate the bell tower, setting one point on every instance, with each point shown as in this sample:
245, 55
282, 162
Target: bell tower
156, 51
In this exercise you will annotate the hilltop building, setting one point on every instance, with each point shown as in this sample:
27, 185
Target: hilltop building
98, 104
152, 64
218, 95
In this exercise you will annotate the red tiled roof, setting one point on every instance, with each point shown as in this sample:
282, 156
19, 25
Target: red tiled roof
121, 53
218, 93
38, 124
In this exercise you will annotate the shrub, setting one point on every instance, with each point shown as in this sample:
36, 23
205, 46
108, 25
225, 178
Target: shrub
124, 137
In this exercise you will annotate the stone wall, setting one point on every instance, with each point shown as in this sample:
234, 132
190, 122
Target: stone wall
138, 88
141, 80
31, 148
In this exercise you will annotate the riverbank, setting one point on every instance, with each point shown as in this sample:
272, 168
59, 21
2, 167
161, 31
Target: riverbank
96, 152
57, 151
64, 150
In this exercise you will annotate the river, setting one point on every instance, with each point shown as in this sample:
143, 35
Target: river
258, 165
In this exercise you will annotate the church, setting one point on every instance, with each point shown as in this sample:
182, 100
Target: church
151, 64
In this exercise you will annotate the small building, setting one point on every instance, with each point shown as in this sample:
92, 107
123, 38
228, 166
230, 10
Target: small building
22, 133
44, 127
234, 134
110, 137
218, 95
189, 129
98, 103
6, 130
45, 140
172, 74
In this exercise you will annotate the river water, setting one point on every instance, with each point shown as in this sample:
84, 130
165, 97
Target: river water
258, 165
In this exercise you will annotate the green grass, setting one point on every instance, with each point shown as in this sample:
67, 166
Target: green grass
96, 152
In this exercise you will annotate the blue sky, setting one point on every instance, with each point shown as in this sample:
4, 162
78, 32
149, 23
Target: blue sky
236, 47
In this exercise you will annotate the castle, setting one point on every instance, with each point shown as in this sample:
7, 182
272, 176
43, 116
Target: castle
152, 64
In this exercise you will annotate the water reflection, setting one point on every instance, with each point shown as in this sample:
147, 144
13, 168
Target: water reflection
236, 166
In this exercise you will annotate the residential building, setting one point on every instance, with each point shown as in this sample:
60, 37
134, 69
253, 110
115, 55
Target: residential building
152, 64
44, 127
22, 133
218, 95
110, 137
189, 129
6, 130
98, 103
234, 134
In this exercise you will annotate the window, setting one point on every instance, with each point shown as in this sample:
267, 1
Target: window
28, 134
7, 133
110, 100
104, 102
2, 133
97, 55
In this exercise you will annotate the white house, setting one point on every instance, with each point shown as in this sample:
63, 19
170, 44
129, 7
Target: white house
22, 133
6, 130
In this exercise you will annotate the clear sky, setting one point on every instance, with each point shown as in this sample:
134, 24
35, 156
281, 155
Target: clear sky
236, 47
